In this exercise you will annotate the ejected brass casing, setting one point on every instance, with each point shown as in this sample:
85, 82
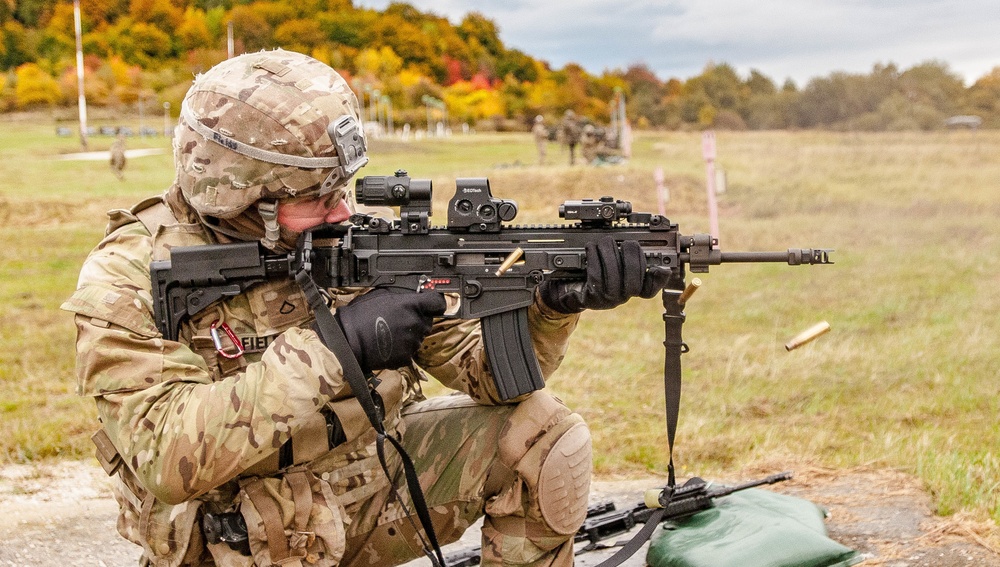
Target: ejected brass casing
809, 334
692, 287
509, 261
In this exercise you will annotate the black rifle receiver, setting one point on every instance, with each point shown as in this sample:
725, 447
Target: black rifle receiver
492, 267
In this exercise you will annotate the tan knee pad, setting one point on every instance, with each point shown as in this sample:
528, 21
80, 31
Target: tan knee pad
564, 479
549, 448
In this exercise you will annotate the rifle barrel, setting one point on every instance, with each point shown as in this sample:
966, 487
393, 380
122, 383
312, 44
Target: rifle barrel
773, 479
793, 256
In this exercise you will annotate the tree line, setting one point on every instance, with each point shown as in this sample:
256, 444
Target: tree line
146, 51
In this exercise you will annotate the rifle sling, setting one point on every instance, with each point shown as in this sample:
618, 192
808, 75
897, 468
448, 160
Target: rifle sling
637, 541
674, 347
333, 337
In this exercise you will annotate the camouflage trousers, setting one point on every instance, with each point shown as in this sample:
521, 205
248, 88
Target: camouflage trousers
526, 467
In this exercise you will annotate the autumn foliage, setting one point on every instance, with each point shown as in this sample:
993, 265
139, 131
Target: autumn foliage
146, 51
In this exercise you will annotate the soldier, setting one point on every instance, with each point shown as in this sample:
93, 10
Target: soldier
117, 160
589, 144
541, 135
569, 133
240, 444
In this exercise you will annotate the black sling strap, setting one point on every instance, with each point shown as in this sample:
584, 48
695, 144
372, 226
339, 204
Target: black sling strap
674, 347
334, 339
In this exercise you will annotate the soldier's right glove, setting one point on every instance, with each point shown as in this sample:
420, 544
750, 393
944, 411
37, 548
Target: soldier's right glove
613, 276
385, 327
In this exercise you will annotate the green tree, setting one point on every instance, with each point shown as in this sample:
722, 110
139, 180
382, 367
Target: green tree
350, 28
6, 14
517, 64
34, 13
760, 84
98, 12
483, 30
18, 45
644, 95
216, 21
720, 85
933, 84
7, 91
139, 43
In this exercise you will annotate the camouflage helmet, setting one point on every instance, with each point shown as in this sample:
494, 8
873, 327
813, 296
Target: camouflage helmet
262, 127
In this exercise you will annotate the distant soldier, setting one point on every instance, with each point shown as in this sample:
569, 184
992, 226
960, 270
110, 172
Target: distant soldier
117, 160
541, 134
589, 144
569, 132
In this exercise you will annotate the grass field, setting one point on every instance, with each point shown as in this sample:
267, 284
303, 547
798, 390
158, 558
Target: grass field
906, 379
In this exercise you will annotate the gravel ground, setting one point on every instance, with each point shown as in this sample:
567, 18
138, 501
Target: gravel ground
63, 514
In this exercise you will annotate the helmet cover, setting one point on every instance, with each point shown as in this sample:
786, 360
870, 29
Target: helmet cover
266, 126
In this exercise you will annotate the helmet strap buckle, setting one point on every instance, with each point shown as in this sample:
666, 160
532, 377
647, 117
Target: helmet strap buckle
272, 231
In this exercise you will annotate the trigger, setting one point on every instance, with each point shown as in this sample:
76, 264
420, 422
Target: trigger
453, 302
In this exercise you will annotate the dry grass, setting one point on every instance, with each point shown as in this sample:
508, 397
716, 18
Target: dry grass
905, 380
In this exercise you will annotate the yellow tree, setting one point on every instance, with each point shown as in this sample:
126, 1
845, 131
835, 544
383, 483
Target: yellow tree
250, 28
34, 87
984, 97
193, 33
379, 64
466, 102
299, 35
161, 13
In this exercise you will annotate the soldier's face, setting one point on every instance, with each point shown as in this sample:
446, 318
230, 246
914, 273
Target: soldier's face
301, 214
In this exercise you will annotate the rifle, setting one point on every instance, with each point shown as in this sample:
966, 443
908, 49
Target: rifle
604, 521
492, 266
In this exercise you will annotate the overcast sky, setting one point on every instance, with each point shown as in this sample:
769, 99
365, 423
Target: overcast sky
797, 39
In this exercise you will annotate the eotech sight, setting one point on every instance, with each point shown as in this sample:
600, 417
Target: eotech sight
491, 267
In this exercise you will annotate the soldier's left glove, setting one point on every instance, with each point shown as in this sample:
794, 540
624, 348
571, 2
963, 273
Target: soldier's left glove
613, 276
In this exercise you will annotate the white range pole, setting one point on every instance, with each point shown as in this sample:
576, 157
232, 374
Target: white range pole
708, 151
82, 100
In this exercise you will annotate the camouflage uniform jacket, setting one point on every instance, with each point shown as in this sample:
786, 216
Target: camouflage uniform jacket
188, 422
540, 132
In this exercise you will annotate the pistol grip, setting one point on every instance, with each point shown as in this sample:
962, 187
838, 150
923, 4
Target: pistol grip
512, 357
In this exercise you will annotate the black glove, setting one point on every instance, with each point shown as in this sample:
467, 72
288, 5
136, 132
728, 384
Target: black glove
385, 327
613, 276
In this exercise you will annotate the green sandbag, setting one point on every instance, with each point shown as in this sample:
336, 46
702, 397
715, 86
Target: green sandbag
752, 528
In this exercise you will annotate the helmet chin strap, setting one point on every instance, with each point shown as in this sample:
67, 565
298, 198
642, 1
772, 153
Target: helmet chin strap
272, 231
